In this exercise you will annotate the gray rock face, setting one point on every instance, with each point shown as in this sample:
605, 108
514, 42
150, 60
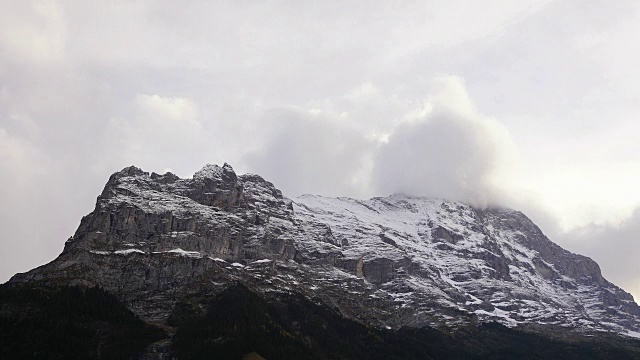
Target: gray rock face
154, 240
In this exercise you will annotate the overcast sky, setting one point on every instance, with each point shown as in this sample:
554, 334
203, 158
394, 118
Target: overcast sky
528, 104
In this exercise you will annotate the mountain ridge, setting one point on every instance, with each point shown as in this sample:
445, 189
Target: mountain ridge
390, 262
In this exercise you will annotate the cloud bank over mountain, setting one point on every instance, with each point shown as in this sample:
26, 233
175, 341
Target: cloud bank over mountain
440, 146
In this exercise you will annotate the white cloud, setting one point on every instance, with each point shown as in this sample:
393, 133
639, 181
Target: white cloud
167, 112
583, 192
157, 125
35, 31
440, 146
451, 152
20, 162
23, 175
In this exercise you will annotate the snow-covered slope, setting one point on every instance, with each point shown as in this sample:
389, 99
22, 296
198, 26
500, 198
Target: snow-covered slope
155, 240
433, 254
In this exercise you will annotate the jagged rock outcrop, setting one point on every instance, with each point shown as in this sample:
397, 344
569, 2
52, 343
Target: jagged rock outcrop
157, 240
154, 238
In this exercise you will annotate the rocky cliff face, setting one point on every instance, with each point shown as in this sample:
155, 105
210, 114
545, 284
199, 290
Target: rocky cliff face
155, 241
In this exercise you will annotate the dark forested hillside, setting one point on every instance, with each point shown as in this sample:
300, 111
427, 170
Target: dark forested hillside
69, 323
89, 323
239, 321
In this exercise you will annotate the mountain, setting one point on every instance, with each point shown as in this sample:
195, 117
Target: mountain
225, 263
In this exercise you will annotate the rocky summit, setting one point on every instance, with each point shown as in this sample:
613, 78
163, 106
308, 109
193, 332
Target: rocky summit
176, 252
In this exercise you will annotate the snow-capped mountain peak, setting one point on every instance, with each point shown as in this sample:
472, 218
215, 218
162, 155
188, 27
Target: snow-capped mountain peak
154, 240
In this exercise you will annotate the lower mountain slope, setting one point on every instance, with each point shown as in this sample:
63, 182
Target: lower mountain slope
167, 248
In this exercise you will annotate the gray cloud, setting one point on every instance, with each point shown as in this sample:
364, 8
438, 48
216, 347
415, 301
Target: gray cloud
313, 152
615, 248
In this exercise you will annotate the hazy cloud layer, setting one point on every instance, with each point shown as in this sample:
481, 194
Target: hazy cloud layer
539, 112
